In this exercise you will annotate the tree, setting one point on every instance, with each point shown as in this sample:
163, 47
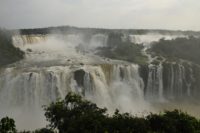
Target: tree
173, 122
74, 114
126, 123
7, 125
43, 130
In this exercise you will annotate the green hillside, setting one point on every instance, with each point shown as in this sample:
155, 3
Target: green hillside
8, 53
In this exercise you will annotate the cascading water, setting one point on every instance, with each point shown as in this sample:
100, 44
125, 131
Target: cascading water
164, 83
30, 88
57, 64
178, 81
154, 91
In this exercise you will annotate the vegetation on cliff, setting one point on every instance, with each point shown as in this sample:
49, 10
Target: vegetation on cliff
121, 48
179, 48
8, 53
72, 29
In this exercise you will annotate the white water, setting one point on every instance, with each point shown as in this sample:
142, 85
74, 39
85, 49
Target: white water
26, 90
154, 89
48, 73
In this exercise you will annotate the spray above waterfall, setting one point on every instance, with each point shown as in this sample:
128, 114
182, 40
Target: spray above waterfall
60, 47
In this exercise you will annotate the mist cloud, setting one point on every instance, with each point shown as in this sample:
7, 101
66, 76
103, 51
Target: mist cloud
153, 14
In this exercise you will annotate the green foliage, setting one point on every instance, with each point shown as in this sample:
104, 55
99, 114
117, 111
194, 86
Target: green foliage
173, 122
122, 49
43, 130
8, 53
74, 114
7, 125
77, 115
125, 123
181, 48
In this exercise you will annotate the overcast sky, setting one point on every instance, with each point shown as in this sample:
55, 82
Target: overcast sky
151, 14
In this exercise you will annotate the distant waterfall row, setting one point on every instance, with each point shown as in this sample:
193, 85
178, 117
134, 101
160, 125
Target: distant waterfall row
171, 82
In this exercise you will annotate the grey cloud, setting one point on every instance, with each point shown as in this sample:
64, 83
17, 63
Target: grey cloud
153, 14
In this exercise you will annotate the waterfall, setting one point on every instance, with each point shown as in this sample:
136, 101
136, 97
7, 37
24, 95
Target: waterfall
178, 81
154, 91
58, 64
169, 81
163, 83
27, 89
166, 80
21, 40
